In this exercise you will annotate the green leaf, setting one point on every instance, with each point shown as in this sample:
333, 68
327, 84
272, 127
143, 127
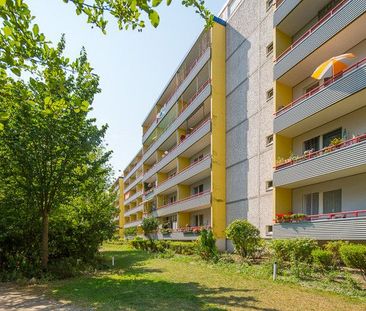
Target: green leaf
35, 29
2, 2
156, 2
1, 126
7, 31
4, 116
168, 2
16, 71
84, 106
154, 18
47, 101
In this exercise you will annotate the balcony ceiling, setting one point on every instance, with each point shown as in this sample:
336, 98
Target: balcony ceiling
339, 44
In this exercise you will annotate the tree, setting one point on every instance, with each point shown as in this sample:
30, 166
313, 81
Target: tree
149, 225
49, 143
245, 237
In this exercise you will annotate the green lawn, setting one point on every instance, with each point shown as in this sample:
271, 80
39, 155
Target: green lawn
140, 281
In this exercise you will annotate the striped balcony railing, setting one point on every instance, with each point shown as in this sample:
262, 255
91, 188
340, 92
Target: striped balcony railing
313, 28
133, 197
324, 85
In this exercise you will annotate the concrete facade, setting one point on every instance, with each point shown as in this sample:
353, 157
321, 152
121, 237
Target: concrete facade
249, 72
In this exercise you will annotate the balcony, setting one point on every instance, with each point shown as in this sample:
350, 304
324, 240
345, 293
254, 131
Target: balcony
148, 195
336, 226
321, 38
344, 159
138, 165
189, 74
193, 171
139, 208
182, 234
195, 202
133, 184
333, 99
132, 224
133, 197
283, 8
202, 94
197, 134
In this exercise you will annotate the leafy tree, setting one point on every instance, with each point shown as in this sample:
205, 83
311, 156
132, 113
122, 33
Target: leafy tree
149, 225
49, 143
206, 246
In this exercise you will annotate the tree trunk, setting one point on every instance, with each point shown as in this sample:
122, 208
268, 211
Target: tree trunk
44, 246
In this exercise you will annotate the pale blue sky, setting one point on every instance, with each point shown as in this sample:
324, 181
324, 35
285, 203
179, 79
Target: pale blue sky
133, 66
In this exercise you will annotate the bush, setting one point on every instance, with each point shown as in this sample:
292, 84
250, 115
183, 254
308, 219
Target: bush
245, 237
206, 246
334, 247
149, 225
183, 248
130, 231
354, 256
294, 250
322, 258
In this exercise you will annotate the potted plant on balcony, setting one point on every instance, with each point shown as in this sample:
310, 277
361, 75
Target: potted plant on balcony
187, 230
166, 229
298, 217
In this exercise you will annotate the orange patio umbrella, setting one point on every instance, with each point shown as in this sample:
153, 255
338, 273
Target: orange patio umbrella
333, 66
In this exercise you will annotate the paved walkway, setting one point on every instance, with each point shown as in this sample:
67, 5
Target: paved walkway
27, 298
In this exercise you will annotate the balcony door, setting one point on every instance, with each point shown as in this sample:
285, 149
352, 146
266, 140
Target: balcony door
332, 201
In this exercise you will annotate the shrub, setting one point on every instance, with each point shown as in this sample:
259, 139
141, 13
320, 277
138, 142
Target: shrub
294, 250
130, 231
334, 247
149, 225
183, 248
354, 256
245, 237
322, 258
206, 246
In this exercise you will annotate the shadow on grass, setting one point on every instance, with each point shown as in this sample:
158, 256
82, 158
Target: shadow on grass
145, 294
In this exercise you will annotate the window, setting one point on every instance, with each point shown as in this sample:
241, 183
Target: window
327, 138
172, 199
311, 87
198, 189
269, 185
269, 94
311, 203
198, 220
312, 144
269, 49
269, 230
198, 158
269, 140
332, 201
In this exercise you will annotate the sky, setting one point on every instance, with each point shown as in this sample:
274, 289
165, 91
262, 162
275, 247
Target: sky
134, 67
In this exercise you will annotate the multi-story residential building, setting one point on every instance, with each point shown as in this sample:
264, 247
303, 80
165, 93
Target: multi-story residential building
242, 131
133, 192
249, 112
320, 125
117, 189
179, 175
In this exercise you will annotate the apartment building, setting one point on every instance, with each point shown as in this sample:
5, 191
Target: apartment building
320, 125
117, 190
242, 130
179, 174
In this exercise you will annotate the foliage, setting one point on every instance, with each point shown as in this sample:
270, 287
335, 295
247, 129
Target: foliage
284, 218
149, 225
334, 248
206, 246
322, 258
183, 248
161, 246
132, 231
245, 237
293, 250
131, 13
354, 256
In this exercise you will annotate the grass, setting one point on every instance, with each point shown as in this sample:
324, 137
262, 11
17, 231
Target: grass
141, 281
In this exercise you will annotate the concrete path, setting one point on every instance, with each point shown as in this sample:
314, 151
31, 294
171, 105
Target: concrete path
29, 299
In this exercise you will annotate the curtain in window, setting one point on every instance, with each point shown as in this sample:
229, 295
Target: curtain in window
332, 201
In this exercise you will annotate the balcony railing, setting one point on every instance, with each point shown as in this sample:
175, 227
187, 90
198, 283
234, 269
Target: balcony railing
321, 87
199, 91
186, 73
149, 193
185, 169
185, 199
203, 123
278, 3
326, 150
297, 218
312, 29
